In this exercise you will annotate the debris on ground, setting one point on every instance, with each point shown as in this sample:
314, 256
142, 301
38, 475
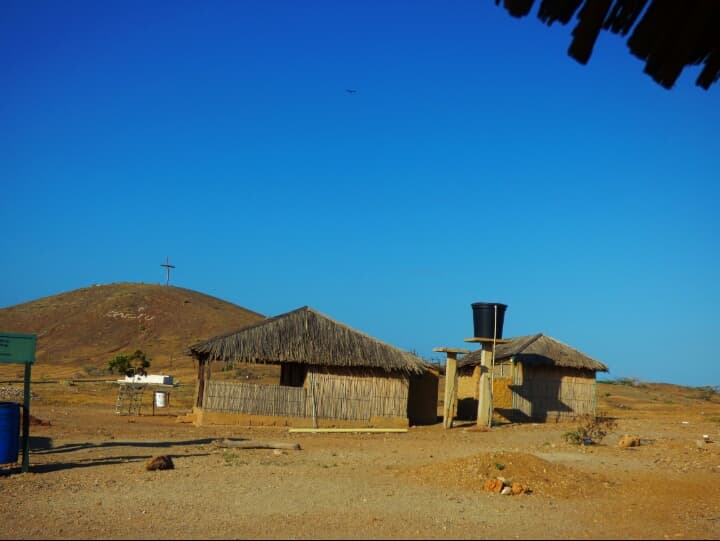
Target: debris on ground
629, 441
162, 462
504, 487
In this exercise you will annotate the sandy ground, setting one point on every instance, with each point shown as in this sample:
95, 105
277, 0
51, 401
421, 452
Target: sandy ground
88, 479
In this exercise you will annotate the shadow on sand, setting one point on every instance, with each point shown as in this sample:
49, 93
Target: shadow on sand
43, 446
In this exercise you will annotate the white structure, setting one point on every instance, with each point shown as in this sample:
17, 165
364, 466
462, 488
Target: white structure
156, 379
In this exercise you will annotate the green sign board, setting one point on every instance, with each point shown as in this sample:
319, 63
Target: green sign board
17, 348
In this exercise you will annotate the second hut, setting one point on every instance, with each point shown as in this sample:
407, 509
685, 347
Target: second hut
534, 378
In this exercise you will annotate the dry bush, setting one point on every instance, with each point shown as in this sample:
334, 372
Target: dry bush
590, 429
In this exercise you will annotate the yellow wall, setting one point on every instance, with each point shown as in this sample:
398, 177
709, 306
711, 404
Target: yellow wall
502, 398
468, 385
502, 394
469, 390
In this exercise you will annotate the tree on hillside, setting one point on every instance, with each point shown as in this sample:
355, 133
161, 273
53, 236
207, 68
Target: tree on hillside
130, 364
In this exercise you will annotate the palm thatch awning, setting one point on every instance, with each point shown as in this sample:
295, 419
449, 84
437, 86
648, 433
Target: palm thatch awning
538, 349
305, 336
669, 34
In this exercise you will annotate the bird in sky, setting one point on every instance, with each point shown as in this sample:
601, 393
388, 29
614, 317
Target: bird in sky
350, 90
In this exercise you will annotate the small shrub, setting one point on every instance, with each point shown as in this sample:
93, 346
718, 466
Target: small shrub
590, 429
708, 392
124, 364
232, 459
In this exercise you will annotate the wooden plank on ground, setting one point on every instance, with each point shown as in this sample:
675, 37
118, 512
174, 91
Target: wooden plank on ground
331, 430
250, 444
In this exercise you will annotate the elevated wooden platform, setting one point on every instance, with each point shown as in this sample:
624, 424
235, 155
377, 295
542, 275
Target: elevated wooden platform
488, 340
451, 350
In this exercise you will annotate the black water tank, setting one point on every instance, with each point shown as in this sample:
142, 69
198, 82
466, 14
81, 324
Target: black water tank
484, 319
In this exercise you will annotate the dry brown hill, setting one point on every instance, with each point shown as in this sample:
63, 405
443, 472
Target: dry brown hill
80, 331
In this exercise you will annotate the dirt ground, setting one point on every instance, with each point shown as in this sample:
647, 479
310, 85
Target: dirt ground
88, 477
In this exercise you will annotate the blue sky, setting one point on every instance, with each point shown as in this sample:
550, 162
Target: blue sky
476, 162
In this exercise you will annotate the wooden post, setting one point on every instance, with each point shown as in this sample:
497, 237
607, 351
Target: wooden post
203, 378
485, 402
450, 390
311, 373
450, 399
26, 421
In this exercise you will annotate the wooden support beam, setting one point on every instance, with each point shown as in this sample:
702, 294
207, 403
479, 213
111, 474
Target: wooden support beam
485, 399
450, 390
485, 402
450, 400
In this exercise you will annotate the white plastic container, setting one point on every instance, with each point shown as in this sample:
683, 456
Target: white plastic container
161, 399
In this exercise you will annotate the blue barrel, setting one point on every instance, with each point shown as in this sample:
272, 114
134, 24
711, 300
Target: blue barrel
9, 432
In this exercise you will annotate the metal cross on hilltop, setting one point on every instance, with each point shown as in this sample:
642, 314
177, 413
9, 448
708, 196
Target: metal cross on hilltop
167, 266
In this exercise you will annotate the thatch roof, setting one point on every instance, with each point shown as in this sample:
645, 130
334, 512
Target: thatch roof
306, 336
670, 34
538, 349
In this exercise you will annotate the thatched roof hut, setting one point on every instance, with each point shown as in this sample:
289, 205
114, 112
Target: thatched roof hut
534, 377
327, 369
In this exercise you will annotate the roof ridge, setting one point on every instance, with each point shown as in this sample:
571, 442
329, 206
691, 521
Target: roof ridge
535, 338
307, 313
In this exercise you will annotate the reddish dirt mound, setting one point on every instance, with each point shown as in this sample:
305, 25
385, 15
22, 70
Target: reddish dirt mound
539, 475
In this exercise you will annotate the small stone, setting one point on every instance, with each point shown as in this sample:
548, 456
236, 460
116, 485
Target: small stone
518, 488
629, 441
494, 485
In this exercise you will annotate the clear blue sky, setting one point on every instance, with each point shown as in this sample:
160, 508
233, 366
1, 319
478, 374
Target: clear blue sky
476, 162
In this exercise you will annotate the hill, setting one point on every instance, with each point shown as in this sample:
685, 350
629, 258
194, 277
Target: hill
81, 330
